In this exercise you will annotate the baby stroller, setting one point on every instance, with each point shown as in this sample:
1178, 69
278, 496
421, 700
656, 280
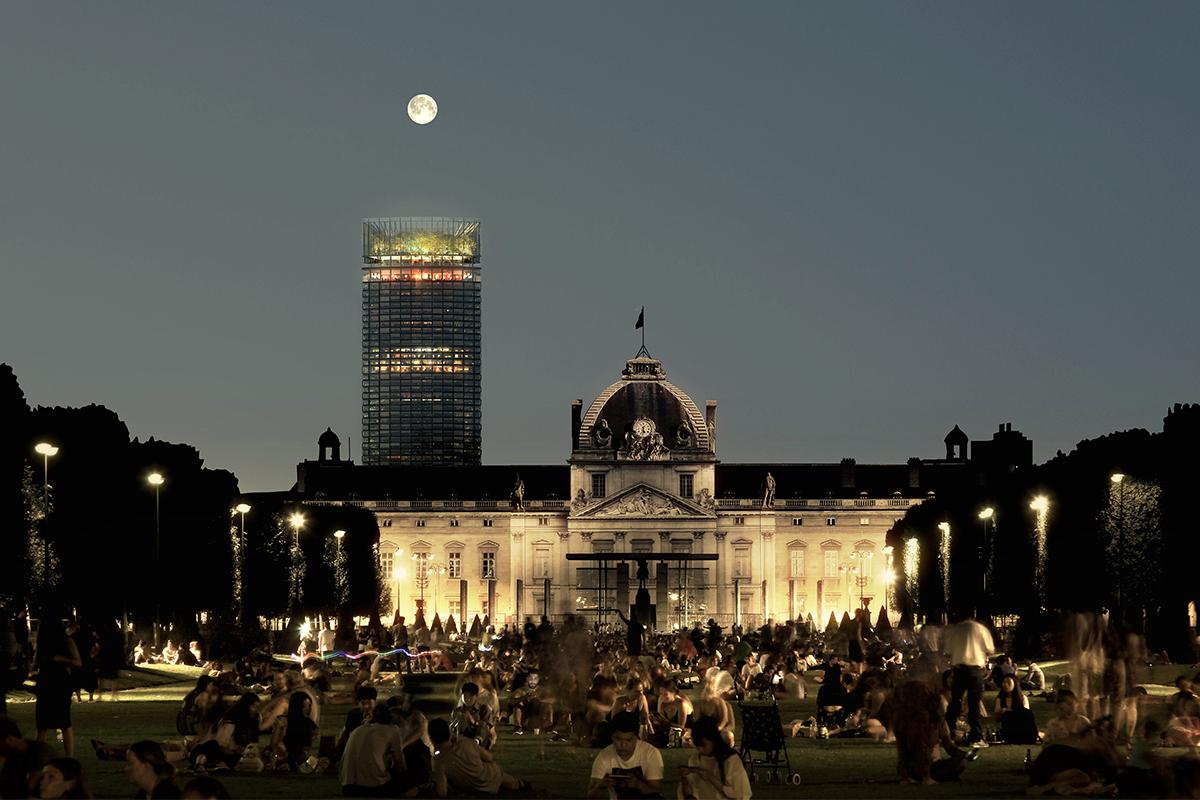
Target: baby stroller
762, 731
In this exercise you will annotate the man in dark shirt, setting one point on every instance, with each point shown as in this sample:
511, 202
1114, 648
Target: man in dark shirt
23, 760
633, 634
366, 697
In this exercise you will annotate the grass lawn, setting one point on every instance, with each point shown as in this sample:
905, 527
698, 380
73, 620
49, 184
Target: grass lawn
829, 768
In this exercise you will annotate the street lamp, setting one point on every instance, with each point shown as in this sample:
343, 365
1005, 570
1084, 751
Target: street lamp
889, 576
1118, 480
45, 449
296, 520
848, 570
944, 554
156, 480
986, 515
1041, 506
339, 535
912, 566
240, 566
436, 570
422, 560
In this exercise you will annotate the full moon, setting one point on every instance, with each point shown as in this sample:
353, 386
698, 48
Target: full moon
422, 109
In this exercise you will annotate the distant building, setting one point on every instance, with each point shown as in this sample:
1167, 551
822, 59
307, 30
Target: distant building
642, 480
421, 342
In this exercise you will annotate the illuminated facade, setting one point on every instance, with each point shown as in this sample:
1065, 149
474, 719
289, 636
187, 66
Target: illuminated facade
421, 341
643, 478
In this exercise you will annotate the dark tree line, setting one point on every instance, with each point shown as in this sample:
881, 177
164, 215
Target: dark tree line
88, 543
1126, 546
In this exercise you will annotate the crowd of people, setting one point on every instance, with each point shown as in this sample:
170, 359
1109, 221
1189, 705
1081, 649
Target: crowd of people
628, 694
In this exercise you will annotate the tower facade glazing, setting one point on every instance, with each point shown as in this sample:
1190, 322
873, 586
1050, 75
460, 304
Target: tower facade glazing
421, 341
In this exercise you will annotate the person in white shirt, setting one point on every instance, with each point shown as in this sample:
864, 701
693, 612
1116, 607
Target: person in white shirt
968, 644
628, 767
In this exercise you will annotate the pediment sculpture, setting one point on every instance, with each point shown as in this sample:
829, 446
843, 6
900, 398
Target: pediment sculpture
643, 503
643, 442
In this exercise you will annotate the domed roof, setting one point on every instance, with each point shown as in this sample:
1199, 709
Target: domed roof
644, 394
956, 436
328, 439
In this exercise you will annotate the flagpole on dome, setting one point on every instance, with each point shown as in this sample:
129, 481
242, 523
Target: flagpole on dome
641, 323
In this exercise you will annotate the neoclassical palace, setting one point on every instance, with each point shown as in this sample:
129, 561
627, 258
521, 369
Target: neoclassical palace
643, 484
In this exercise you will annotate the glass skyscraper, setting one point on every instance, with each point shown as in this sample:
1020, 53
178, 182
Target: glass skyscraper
420, 341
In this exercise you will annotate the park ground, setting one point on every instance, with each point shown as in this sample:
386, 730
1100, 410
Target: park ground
833, 768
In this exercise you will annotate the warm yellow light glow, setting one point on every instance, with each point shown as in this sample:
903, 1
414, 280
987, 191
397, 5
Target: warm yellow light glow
888, 550
987, 513
1040, 504
296, 520
338, 534
1117, 477
155, 479
242, 508
890, 576
944, 527
398, 574
45, 449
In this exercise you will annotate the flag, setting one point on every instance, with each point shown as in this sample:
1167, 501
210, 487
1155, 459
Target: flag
641, 323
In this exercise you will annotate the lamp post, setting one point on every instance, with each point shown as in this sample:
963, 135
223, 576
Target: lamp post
944, 557
848, 570
296, 520
240, 566
889, 576
45, 449
156, 480
987, 515
436, 570
422, 560
1118, 480
1041, 506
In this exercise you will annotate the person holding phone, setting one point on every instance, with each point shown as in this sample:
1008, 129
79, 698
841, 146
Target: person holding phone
714, 771
629, 767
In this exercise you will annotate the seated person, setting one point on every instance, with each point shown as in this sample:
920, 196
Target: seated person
1034, 680
23, 761
528, 705
628, 767
372, 763
713, 704
634, 701
832, 700
1068, 722
673, 712
141, 653
714, 771
299, 730
366, 697
223, 747
473, 719
1017, 725
1183, 727
170, 653
462, 767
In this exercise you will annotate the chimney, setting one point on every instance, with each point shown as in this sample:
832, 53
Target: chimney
848, 473
576, 421
710, 419
914, 473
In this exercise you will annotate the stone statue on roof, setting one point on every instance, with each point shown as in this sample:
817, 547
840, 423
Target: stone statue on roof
518, 494
769, 491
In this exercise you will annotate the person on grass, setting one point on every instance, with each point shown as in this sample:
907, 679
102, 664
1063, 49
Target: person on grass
62, 777
714, 771
461, 766
372, 764
23, 760
629, 767
148, 769
57, 655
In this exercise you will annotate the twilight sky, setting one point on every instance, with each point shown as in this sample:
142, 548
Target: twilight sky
853, 225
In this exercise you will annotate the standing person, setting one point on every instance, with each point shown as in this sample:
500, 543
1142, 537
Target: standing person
84, 677
110, 659
968, 644
633, 634
56, 657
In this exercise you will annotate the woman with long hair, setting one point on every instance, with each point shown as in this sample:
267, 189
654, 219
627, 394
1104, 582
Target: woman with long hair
1017, 724
62, 777
237, 728
56, 656
298, 736
148, 769
715, 771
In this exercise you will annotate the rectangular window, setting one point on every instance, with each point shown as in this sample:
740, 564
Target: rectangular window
686, 482
541, 562
797, 520
454, 564
543, 520
602, 546
456, 609
832, 559
487, 564
741, 562
598, 484
864, 520
831, 521
796, 560
420, 523
453, 523
739, 520
681, 546
385, 565
487, 523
